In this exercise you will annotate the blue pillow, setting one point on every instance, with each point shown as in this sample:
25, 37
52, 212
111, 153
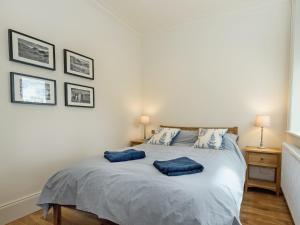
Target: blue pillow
185, 138
229, 141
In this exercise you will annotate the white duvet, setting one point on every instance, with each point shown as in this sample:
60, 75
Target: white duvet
135, 193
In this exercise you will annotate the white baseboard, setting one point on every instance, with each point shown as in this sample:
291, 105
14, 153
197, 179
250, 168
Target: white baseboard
19, 208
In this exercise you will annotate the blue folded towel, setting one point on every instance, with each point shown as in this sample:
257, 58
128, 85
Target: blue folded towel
126, 155
179, 166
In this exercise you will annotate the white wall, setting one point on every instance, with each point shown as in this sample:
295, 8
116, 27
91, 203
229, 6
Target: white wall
36, 141
294, 119
222, 70
293, 137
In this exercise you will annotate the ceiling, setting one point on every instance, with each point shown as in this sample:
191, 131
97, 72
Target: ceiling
149, 15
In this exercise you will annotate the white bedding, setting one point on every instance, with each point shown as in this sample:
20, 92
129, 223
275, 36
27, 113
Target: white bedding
135, 193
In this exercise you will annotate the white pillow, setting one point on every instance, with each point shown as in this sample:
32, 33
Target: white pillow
210, 138
164, 136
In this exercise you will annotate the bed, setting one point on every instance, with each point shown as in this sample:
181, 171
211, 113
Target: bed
135, 193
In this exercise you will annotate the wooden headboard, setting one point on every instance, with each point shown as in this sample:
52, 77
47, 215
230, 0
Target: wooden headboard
233, 130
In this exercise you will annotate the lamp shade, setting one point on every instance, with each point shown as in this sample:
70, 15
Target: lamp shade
263, 121
144, 119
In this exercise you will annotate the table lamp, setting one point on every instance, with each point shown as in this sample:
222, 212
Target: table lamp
262, 121
144, 120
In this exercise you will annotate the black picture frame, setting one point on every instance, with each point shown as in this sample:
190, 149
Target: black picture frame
67, 69
13, 89
67, 103
14, 58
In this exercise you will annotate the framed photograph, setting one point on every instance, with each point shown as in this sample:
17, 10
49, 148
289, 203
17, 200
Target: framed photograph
29, 50
79, 95
29, 89
78, 65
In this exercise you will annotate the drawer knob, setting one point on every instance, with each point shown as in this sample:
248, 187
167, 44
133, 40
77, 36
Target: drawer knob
261, 159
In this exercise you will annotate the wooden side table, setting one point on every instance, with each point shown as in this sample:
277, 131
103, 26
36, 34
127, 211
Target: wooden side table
136, 142
268, 158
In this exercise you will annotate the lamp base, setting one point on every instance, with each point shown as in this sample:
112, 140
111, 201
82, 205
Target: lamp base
261, 145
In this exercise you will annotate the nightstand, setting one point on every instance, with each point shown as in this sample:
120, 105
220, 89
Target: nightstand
268, 158
136, 142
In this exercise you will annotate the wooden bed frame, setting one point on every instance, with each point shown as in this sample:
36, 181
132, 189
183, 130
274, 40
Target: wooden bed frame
57, 208
232, 130
57, 218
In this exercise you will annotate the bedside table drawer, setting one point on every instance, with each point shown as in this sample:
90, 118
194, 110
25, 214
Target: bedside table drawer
263, 159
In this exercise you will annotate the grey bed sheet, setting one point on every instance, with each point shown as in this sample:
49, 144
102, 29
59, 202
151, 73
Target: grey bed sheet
135, 193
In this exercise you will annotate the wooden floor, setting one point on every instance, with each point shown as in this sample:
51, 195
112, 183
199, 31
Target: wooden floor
258, 208
265, 208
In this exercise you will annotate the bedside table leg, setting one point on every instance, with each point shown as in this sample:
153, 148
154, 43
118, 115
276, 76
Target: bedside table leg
247, 173
246, 185
278, 177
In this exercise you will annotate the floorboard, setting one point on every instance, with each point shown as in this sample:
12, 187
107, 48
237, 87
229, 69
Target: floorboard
258, 208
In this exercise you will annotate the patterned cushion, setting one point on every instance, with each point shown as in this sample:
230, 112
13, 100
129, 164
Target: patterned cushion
210, 138
164, 136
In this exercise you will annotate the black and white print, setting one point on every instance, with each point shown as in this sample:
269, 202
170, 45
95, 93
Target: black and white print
32, 51
32, 90
79, 96
78, 65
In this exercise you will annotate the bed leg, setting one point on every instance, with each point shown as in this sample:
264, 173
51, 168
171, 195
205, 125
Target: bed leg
56, 215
